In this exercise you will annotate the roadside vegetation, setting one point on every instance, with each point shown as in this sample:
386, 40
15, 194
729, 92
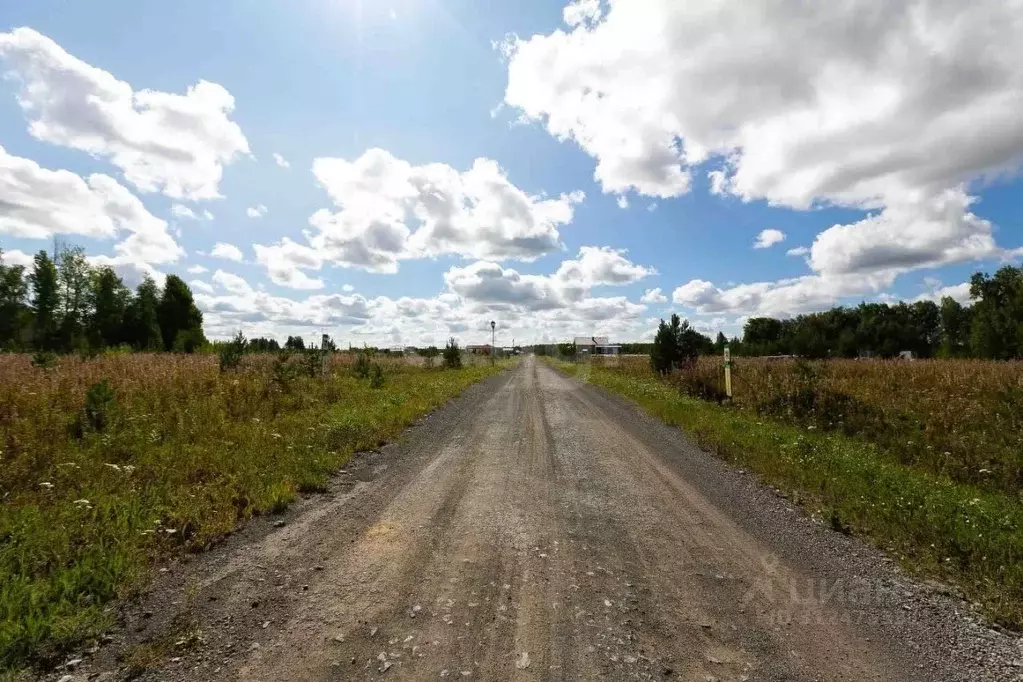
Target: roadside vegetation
990, 327
112, 461
924, 458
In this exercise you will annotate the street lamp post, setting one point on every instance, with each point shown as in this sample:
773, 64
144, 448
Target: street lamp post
493, 344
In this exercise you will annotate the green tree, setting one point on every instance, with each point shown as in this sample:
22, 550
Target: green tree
15, 316
180, 319
73, 274
45, 299
997, 327
924, 337
110, 299
294, 343
452, 354
764, 336
665, 348
675, 344
955, 329
141, 317
720, 343
263, 345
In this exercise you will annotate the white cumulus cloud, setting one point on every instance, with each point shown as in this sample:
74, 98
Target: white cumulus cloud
162, 142
186, 213
892, 107
281, 161
256, 211
388, 210
16, 257
568, 287
284, 261
201, 286
227, 252
37, 203
653, 296
768, 238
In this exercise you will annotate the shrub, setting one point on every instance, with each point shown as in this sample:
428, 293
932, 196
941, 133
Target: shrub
189, 341
360, 368
231, 353
284, 371
452, 355
99, 403
44, 359
313, 362
376, 376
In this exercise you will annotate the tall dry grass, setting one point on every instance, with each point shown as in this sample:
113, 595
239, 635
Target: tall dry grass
169, 453
957, 418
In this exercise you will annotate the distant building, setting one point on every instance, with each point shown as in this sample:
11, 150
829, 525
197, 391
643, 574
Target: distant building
595, 345
481, 349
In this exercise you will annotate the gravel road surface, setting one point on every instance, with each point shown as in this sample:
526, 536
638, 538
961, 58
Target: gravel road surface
539, 529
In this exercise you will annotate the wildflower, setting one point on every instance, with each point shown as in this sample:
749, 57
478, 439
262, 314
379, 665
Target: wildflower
276, 435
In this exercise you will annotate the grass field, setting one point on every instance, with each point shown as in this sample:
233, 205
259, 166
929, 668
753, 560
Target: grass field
108, 463
923, 458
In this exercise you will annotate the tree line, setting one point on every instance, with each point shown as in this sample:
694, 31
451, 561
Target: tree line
991, 328
64, 304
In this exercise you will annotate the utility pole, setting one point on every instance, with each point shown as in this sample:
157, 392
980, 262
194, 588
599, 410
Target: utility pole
493, 343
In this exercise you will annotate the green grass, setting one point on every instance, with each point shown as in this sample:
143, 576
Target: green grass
186, 453
959, 533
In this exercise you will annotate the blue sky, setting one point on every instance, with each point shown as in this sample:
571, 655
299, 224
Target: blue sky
887, 148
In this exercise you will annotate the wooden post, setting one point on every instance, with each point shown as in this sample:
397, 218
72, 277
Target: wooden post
728, 372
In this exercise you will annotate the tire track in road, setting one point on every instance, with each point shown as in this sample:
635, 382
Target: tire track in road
545, 533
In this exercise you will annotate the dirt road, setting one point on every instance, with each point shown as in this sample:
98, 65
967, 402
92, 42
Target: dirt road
540, 530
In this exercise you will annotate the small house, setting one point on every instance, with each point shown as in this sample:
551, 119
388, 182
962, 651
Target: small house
595, 345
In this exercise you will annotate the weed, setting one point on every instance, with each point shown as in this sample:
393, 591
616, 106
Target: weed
100, 401
170, 455
231, 353
44, 359
361, 367
376, 376
313, 362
